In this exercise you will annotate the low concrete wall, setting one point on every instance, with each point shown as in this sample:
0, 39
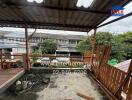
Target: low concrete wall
57, 70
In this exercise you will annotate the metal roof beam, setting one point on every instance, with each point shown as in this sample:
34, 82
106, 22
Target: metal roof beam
43, 24
125, 16
21, 24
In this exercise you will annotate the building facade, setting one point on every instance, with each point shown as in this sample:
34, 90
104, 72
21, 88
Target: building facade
65, 43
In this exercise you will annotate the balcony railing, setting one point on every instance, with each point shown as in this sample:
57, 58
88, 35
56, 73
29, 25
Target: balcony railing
116, 83
59, 61
11, 61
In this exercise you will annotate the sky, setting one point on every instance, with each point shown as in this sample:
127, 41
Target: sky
117, 27
121, 26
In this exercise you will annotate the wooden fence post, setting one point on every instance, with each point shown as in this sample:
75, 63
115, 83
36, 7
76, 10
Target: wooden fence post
129, 95
1, 59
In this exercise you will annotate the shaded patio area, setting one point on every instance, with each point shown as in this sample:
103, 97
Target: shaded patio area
65, 15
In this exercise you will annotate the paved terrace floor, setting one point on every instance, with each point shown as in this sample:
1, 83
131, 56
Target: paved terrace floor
9, 76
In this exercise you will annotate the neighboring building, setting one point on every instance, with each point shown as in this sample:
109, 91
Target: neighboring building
65, 43
12, 45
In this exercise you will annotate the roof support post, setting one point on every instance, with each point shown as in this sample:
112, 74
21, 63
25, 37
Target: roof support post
94, 41
1, 59
27, 50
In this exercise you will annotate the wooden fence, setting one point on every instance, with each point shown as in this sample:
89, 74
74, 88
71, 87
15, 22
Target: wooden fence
7, 60
73, 61
109, 76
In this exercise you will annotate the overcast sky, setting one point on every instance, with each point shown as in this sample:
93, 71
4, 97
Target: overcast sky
121, 26
117, 27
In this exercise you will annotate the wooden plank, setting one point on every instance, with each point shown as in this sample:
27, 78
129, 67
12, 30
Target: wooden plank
104, 57
127, 85
1, 59
84, 96
102, 86
115, 80
118, 81
126, 79
111, 79
107, 76
129, 95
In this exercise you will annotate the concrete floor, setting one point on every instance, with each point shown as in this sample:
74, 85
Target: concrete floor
66, 86
63, 86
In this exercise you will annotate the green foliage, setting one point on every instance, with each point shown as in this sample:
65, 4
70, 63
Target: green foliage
104, 38
48, 46
121, 44
34, 59
83, 46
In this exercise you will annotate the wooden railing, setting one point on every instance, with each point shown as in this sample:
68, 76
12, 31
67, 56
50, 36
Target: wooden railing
114, 80
8, 62
74, 61
111, 77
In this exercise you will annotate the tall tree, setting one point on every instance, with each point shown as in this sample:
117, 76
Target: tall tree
121, 44
104, 38
84, 45
48, 46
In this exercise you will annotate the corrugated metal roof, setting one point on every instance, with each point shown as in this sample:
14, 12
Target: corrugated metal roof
59, 36
55, 14
124, 65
